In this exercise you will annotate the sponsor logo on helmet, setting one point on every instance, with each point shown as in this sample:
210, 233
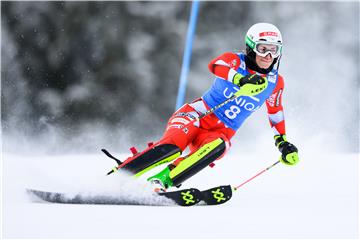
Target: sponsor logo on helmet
264, 34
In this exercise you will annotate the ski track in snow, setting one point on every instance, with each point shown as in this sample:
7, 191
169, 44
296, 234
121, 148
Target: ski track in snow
318, 198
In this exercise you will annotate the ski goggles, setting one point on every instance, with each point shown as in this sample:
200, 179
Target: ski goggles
263, 49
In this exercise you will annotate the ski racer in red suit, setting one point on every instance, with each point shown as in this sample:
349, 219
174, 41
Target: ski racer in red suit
209, 138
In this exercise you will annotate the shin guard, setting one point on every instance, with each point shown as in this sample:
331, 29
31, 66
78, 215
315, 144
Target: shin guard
197, 161
150, 158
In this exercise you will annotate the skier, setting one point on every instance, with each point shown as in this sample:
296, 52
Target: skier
209, 138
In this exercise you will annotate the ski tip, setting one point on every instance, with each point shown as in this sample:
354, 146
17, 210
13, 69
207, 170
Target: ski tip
159, 190
217, 195
186, 197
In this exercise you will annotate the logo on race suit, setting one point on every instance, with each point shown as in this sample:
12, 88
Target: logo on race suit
241, 101
185, 114
242, 65
186, 130
233, 111
271, 78
264, 34
278, 97
274, 99
233, 62
180, 120
179, 126
271, 100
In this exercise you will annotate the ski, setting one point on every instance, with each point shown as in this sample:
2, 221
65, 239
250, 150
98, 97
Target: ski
184, 197
189, 197
217, 195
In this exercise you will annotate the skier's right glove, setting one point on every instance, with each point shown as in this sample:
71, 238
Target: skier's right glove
289, 153
250, 84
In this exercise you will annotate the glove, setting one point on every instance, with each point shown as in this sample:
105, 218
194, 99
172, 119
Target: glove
250, 84
289, 153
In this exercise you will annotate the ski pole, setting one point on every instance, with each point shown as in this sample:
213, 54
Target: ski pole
258, 174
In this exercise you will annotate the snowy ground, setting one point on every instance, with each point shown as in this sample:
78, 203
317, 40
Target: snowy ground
316, 199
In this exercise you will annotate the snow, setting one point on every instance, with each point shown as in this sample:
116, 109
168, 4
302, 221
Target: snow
318, 198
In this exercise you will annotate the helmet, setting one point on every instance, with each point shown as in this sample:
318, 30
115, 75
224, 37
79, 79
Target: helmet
264, 38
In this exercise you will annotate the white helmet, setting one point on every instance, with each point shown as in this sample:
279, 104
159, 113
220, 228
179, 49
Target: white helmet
264, 38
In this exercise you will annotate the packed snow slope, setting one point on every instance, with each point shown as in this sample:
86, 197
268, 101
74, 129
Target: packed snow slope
318, 198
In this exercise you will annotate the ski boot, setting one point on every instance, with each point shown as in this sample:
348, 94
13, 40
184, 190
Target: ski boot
162, 180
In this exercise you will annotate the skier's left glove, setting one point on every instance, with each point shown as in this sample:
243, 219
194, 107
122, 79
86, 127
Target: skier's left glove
289, 153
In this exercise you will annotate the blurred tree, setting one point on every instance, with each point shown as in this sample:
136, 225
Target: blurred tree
115, 65
82, 61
